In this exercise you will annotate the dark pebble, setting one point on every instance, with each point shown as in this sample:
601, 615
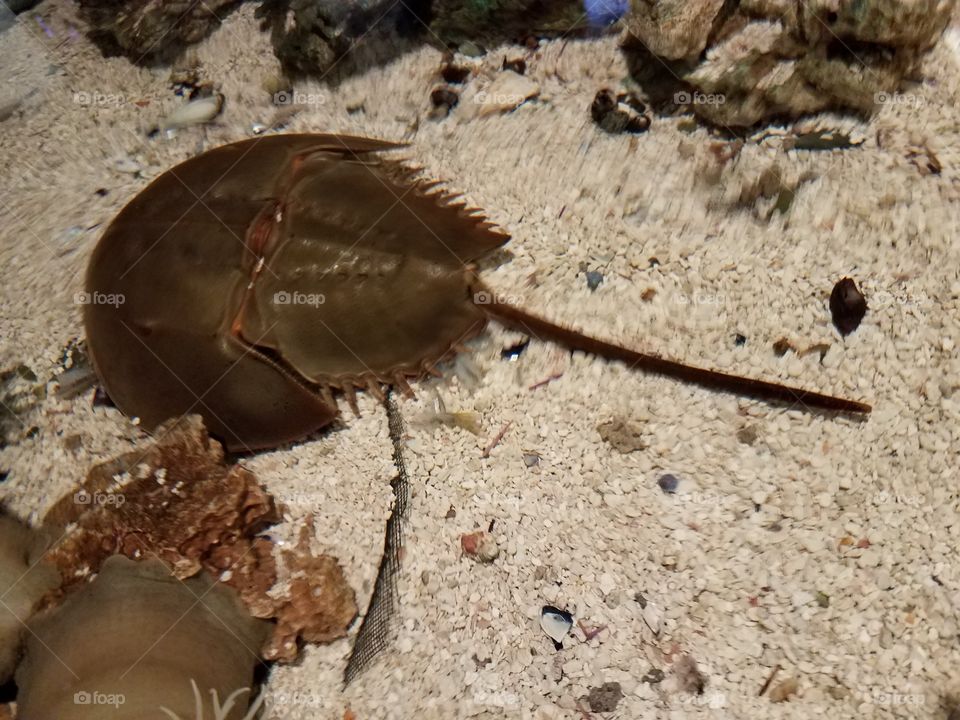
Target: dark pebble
668, 483
443, 97
653, 676
739, 339
605, 698
455, 74
518, 65
847, 306
594, 278
619, 113
604, 103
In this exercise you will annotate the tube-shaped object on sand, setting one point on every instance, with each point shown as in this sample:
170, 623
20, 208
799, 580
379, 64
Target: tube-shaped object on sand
137, 641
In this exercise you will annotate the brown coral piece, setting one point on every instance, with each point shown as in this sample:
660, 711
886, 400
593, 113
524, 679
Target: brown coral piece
177, 500
317, 582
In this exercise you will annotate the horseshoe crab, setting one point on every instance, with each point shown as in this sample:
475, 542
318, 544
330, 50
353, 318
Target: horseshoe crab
252, 282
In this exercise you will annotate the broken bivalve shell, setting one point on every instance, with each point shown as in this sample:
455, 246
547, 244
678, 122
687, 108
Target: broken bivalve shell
556, 623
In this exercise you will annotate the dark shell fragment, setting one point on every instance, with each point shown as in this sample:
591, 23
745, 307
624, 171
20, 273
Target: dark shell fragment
847, 306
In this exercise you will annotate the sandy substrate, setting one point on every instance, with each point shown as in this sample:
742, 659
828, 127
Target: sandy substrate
740, 560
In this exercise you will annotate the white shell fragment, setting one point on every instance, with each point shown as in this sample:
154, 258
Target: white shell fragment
508, 92
556, 623
653, 617
194, 112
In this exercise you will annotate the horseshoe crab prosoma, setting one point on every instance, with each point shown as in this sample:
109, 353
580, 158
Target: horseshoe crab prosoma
251, 282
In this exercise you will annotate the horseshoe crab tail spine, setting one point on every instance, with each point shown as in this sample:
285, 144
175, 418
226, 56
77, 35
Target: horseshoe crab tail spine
538, 327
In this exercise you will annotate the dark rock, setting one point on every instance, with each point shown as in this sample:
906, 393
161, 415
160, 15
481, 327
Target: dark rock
594, 278
653, 676
668, 483
605, 698
619, 113
18, 6
518, 65
504, 21
310, 38
455, 74
736, 64
443, 97
847, 306
151, 33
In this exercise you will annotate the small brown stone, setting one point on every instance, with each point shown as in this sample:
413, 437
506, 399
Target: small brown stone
479, 545
783, 691
624, 435
747, 435
782, 346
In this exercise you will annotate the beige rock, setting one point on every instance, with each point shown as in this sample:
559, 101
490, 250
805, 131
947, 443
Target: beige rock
771, 58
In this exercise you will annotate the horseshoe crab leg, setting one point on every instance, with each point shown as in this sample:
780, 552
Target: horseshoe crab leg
517, 319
